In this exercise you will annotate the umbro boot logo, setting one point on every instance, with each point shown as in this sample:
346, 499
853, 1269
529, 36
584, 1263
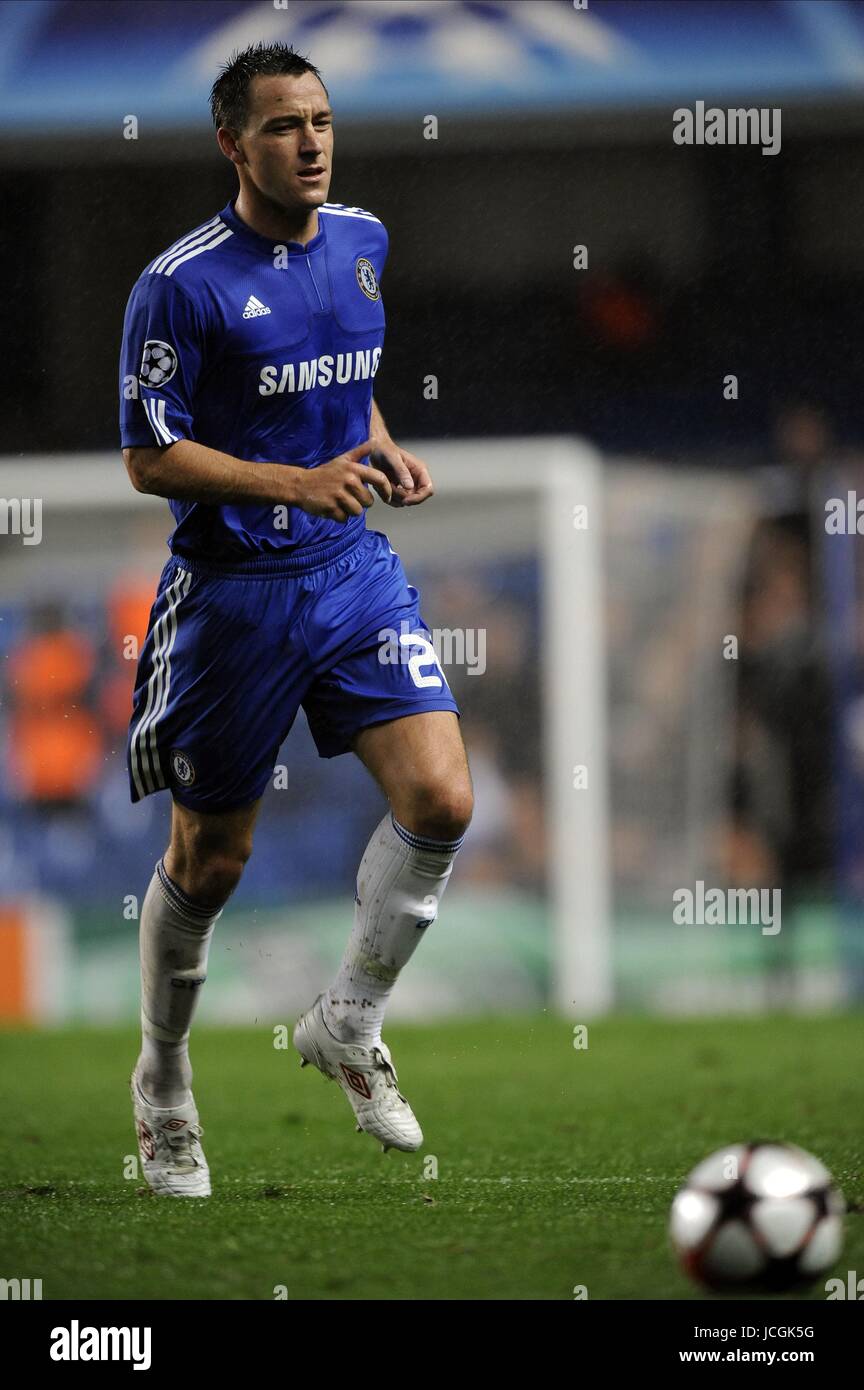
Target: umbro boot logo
357, 1081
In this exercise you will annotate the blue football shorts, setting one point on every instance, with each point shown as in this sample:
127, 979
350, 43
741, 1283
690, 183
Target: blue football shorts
234, 649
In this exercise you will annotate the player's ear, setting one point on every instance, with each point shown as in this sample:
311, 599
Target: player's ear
228, 145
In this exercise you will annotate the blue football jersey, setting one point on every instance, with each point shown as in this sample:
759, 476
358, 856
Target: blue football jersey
263, 350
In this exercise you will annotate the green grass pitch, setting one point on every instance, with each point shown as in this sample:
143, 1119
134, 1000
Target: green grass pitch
555, 1166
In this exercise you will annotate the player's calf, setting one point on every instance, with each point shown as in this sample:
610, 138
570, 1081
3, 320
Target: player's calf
174, 943
400, 883
187, 892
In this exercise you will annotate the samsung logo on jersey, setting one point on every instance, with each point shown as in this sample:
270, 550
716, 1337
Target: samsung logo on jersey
319, 371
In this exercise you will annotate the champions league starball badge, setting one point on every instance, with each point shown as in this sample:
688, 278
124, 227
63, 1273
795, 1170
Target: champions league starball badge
158, 363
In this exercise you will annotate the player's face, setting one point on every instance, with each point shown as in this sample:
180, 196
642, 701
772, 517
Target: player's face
287, 141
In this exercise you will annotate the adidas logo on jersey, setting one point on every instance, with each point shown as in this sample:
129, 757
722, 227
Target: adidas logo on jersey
254, 308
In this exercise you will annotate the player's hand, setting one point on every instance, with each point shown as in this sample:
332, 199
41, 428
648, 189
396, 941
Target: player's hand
408, 474
340, 488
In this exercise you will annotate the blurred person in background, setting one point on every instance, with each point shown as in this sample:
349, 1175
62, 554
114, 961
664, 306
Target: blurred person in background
54, 735
784, 789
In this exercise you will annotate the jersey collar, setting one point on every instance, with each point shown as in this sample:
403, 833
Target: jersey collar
266, 244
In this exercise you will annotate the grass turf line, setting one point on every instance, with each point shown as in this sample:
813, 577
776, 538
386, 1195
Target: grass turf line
556, 1166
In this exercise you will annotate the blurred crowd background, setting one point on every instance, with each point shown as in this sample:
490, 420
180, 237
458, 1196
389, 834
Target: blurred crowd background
554, 130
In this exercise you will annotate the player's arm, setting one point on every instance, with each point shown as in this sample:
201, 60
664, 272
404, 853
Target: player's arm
408, 474
192, 472
166, 341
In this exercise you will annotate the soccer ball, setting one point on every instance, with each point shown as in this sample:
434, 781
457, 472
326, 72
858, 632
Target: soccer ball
762, 1216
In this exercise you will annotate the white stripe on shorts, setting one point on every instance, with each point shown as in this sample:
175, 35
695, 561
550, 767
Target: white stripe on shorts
151, 778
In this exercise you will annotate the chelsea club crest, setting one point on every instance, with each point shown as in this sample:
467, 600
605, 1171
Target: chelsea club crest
367, 279
182, 767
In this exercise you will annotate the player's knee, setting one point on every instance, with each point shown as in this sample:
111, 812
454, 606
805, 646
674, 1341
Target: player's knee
215, 878
442, 809
208, 868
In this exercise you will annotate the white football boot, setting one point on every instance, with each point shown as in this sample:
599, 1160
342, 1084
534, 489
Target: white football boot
169, 1142
368, 1078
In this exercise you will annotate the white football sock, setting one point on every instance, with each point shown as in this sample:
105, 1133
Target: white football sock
174, 941
400, 883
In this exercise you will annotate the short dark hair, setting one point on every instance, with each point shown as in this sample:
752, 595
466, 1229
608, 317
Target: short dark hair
229, 94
